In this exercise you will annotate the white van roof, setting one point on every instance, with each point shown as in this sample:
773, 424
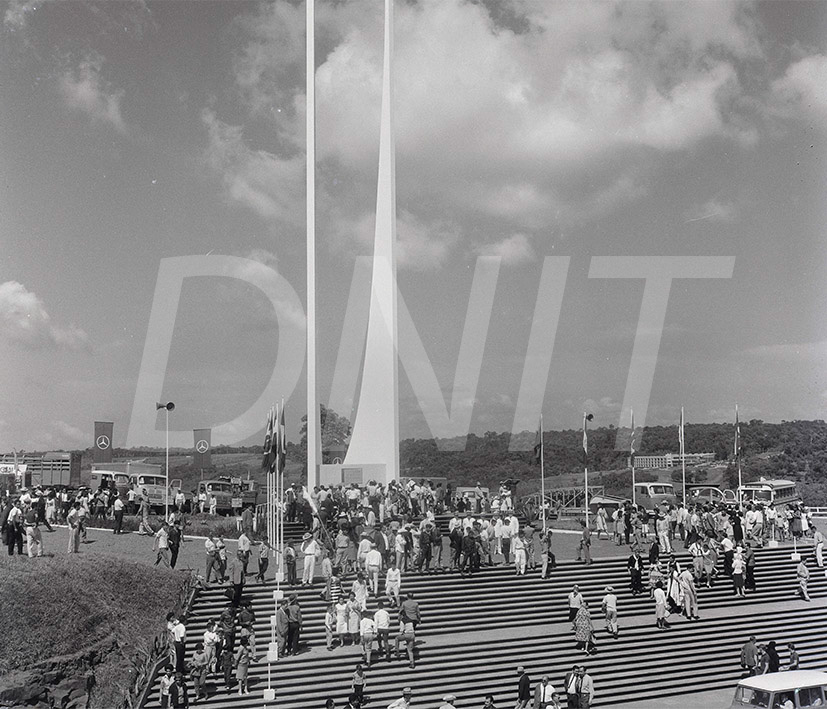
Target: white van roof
785, 681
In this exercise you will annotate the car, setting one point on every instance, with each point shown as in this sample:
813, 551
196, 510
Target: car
782, 690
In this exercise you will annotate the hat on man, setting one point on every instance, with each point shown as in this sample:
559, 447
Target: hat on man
609, 589
449, 698
407, 690
521, 669
306, 536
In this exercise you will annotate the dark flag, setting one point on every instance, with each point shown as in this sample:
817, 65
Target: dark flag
282, 441
103, 442
203, 448
269, 432
538, 444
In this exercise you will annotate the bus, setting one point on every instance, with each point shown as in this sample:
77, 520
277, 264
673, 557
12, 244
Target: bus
780, 492
653, 495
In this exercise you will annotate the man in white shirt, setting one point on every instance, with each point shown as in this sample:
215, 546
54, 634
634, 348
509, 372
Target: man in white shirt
74, 528
162, 545
245, 546
211, 548
575, 601
118, 511
729, 552
178, 635
310, 547
404, 702
202, 501
367, 632
14, 528
382, 621
544, 694
373, 565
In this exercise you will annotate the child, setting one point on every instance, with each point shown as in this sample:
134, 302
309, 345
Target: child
242, 664
359, 681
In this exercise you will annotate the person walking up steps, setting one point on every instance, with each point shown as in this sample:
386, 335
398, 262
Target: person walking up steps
609, 607
575, 601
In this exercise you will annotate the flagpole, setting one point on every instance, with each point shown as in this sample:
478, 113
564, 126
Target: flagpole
542, 478
738, 452
683, 456
632, 459
586, 469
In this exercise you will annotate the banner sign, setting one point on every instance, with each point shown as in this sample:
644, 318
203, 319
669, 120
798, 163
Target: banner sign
203, 448
102, 448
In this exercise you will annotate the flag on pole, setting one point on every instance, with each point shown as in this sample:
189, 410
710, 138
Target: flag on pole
586, 417
632, 438
681, 438
282, 441
538, 442
737, 446
268, 441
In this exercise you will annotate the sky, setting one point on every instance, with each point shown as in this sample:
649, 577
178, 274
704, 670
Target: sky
527, 132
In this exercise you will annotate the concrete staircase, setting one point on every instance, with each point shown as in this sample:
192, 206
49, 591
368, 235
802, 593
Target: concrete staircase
510, 615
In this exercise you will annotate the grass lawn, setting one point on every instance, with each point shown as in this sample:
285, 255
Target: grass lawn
60, 604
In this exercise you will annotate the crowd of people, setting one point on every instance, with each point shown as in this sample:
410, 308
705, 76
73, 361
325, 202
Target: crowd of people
360, 542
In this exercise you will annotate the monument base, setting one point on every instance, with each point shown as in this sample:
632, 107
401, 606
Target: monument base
346, 473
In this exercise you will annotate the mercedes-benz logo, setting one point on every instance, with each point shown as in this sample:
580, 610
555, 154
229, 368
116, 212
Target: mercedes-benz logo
102, 442
202, 446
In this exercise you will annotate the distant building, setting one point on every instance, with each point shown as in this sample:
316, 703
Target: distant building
670, 460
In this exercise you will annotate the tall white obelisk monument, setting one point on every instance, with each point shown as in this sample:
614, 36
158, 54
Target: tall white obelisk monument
375, 439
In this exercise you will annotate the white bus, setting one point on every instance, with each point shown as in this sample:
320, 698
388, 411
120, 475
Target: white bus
779, 492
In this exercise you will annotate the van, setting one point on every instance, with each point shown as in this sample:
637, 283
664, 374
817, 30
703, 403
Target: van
782, 690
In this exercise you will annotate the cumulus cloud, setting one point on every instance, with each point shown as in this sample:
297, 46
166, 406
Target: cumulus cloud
26, 321
542, 114
84, 90
270, 185
802, 91
514, 250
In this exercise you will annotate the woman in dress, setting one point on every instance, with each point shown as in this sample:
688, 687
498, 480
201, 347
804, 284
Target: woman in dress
359, 591
342, 611
354, 618
242, 665
584, 630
